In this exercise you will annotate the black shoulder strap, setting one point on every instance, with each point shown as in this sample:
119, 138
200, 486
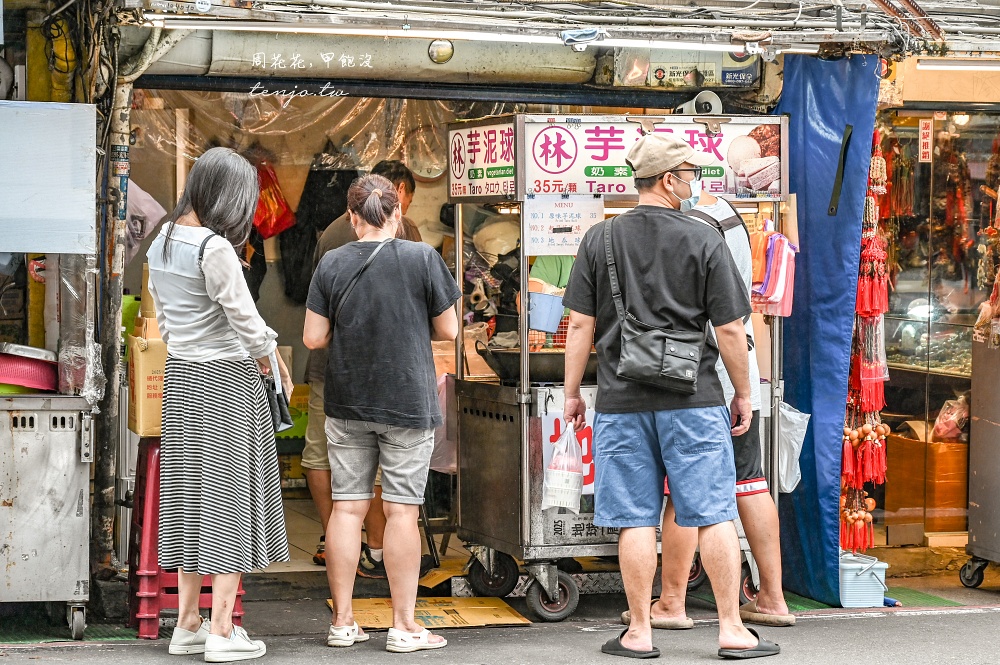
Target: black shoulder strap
616, 293
350, 287
201, 250
708, 219
724, 225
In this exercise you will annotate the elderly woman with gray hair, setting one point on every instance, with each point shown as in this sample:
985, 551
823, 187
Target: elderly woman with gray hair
220, 490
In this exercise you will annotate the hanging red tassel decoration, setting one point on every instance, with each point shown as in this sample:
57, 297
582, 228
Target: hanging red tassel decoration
877, 172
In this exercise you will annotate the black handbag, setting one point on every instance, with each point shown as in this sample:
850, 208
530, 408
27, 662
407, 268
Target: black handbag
667, 359
277, 400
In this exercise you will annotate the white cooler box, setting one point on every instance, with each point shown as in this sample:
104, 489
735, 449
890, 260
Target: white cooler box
862, 580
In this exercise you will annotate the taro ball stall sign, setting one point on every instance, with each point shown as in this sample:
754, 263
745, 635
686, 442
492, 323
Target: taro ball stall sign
481, 161
586, 155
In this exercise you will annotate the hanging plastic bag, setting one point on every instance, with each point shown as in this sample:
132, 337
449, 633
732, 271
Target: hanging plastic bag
951, 421
562, 486
273, 213
793, 425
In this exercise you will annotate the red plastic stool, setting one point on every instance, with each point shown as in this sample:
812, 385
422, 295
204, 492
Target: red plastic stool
151, 588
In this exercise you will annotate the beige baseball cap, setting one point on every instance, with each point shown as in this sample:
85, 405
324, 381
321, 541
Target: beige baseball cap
658, 153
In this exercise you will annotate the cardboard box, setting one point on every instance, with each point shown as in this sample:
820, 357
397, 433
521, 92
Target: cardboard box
927, 484
145, 328
444, 359
146, 360
433, 613
947, 487
292, 474
146, 307
286, 356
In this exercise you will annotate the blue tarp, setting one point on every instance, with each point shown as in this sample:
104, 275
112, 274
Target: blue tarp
821, 97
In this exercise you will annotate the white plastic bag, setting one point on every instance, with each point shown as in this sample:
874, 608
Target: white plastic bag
793, 425
562, 486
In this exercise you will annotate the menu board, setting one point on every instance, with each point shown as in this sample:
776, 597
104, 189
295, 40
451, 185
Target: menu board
481, 161
586, 155
556, 224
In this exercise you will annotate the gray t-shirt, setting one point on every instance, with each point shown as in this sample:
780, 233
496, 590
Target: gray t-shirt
381, 367
739, 246
675, 272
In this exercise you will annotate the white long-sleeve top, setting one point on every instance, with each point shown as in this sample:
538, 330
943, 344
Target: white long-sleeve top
204, 313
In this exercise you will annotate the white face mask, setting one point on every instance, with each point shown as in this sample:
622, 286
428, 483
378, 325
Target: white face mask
690, 203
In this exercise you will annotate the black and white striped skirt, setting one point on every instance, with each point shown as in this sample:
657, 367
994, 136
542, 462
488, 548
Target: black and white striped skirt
220, 488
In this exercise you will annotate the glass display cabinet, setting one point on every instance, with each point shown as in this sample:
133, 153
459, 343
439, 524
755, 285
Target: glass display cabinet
940, 217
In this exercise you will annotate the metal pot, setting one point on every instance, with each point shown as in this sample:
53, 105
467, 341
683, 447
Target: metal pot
547, 366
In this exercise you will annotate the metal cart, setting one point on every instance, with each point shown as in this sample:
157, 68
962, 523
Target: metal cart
46, 447
984, 482
501, 440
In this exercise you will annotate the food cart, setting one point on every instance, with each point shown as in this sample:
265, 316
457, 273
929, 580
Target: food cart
561, 175
48, 393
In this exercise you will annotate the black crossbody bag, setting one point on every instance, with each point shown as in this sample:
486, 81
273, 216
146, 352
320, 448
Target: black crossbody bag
667, 359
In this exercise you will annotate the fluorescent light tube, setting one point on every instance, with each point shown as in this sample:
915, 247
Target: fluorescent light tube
455, 35
963, 65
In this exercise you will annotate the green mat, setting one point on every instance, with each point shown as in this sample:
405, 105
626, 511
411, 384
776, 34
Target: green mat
913, 598
14, 631
908, 597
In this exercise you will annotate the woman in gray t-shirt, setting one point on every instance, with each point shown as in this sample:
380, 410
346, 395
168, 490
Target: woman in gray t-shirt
376, 304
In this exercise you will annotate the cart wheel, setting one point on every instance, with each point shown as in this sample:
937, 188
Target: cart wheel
748, 590
697, 576
972, 574
564, 606
503, 580
77, 622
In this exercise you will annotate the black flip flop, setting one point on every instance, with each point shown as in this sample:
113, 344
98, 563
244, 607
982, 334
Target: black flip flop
614, 647
763, 648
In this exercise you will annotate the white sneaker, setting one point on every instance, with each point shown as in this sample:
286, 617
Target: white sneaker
184, 642
238, 646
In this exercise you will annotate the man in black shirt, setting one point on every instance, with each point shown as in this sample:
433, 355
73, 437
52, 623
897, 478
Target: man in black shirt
675, 273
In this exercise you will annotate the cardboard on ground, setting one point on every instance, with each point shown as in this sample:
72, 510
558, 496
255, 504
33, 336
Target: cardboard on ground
376, 613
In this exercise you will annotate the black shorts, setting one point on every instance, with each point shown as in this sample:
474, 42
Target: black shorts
749, 465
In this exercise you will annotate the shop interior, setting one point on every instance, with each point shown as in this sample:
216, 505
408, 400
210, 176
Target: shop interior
940, 217
341, 138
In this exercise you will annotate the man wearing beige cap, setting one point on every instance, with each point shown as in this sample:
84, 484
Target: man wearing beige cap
667, 275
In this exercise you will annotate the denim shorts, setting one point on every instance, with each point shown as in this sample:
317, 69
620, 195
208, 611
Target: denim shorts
633, 452
356, 448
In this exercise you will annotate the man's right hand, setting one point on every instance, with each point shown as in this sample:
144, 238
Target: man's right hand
742, 413
575, 412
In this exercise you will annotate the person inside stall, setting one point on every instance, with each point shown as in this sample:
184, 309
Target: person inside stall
314, 455
554, 271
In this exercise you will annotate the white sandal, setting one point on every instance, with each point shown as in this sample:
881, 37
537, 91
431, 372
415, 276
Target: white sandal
345, 636
399, 641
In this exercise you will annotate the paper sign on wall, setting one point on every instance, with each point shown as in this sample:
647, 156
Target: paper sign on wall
926, 140
556, 224
552, 429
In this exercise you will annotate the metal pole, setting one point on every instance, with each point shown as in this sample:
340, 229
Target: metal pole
776, 397
777, 387
460, 278
524, 389
108, 432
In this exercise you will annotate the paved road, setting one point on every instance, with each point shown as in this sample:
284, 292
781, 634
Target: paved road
929, 637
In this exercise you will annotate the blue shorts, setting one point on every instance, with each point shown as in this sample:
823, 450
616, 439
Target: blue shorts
633, 452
